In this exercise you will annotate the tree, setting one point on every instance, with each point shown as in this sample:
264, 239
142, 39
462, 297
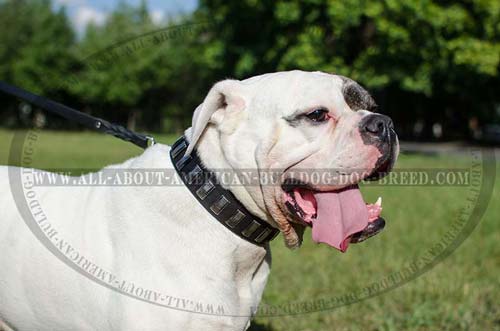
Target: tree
433, 60
131, 69
36, 48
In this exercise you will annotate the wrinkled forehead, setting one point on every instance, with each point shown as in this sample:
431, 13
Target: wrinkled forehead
295, 90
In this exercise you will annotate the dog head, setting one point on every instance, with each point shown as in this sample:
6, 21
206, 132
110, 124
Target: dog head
316, 134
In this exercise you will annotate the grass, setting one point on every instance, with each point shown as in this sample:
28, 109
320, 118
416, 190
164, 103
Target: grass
460, 293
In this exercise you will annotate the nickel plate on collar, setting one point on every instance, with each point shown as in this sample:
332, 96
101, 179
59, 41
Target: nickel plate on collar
218, 206
250, 229
204, 190
234, 220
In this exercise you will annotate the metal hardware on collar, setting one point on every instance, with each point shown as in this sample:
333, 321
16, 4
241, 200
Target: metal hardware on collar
219, 202
74, 115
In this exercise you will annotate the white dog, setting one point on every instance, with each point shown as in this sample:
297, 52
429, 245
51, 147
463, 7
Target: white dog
153, 257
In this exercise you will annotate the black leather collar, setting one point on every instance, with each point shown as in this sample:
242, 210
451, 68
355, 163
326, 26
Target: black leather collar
219, 202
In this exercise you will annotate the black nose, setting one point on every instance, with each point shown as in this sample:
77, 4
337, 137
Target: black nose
376, 126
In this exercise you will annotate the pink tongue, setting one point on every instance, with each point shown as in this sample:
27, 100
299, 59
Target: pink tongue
339, 215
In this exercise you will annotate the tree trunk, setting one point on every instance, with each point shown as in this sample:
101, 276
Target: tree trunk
132, 119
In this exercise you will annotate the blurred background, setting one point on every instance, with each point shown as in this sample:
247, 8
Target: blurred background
431, 65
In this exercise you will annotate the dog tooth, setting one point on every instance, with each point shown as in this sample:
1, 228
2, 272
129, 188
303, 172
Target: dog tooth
379, 202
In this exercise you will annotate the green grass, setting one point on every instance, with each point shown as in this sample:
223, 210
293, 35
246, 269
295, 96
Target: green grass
74, 149
460, 293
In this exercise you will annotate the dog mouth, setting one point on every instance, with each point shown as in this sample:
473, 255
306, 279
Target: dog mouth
338, 217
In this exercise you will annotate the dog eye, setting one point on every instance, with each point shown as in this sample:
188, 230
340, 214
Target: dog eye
318, 115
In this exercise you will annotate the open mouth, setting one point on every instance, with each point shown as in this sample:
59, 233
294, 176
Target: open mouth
337, 217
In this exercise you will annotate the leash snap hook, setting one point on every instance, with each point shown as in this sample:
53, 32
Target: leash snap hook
151, 141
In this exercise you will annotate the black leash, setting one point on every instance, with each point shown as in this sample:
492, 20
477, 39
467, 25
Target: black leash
74, 115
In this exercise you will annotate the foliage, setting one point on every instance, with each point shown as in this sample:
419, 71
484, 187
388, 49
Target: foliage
35, 48
116, 73
426, 61
36, 44
438, 54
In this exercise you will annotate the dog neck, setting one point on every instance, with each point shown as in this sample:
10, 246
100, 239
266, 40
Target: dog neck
218, 201
212, 156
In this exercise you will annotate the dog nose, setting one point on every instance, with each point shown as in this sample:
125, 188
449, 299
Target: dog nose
376, 125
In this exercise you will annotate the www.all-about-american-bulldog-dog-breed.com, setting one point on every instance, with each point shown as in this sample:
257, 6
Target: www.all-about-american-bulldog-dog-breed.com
205, 242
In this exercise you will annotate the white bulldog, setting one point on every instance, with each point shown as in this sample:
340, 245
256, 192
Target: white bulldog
194, 273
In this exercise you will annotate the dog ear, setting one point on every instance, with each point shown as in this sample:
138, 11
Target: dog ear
223, 96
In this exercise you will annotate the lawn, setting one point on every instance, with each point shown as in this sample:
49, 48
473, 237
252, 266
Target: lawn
462, 292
